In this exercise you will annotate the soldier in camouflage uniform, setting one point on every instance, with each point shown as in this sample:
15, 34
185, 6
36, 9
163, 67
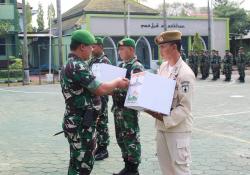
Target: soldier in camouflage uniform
227, 65
215, 65
81, 93
202, 65
126, 120
241, 61
193, 62
183, 55
102, 123
207, 64
219, 60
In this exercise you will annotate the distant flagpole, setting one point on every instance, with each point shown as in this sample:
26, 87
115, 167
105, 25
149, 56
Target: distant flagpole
209, 26
212, 23
125, 18
128, 21
164, 15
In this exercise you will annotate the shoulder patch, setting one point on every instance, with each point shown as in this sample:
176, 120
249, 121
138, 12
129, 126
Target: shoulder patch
185, 86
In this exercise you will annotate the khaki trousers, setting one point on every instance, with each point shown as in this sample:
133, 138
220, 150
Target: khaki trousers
173, 152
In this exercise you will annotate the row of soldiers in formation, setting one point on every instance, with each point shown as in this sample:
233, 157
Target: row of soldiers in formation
204, 60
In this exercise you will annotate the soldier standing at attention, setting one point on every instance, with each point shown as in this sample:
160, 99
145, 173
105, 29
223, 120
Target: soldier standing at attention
219, 62
126, 120
174, 131
183, 55
81, 92
241, 61
196, 63
193, 62
190, 59
203, 65
207, 64
227, 65
215, 65
102, 123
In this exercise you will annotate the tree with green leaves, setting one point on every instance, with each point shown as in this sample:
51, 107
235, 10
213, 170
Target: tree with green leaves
4, 27
239, 20
51, 13
40, 20
197, 43
177, 9
28, 18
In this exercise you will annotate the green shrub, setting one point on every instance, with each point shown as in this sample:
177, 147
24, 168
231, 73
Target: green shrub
18, 64
12, 73
197, 44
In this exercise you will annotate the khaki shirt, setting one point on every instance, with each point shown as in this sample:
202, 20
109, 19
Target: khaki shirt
180, 119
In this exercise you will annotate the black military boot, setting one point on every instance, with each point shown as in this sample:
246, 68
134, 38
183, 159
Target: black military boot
130, 169
101, 153
133, 169
242, 80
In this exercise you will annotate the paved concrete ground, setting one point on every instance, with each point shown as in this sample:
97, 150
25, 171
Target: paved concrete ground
29, 116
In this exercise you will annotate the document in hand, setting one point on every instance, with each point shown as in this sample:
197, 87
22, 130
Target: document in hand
106, 72
150, 91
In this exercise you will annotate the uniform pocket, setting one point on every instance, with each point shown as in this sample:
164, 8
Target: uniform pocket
183, 153
71, 124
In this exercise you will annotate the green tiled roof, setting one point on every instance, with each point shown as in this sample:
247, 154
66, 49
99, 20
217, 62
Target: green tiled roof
109, 6
75, 15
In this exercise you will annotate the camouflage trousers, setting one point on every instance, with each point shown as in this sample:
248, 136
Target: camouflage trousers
227, 71
194, 69
216, 71
241, 70
128, 134
203, 70
206, 70
102, 128
82, 143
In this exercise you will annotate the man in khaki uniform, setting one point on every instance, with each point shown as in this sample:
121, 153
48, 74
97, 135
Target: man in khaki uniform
174, 131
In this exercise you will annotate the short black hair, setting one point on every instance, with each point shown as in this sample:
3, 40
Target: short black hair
74, 45
178, 44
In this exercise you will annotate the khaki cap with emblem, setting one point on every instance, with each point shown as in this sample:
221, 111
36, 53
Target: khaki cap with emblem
168, 36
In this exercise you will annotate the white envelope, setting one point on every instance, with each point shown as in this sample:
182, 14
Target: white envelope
106, 72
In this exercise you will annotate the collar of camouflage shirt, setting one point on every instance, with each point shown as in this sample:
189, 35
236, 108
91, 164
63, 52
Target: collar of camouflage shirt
74, 56
131, 61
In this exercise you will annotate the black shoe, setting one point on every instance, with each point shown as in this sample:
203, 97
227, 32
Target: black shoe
242, 81
125, 171
102, 154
